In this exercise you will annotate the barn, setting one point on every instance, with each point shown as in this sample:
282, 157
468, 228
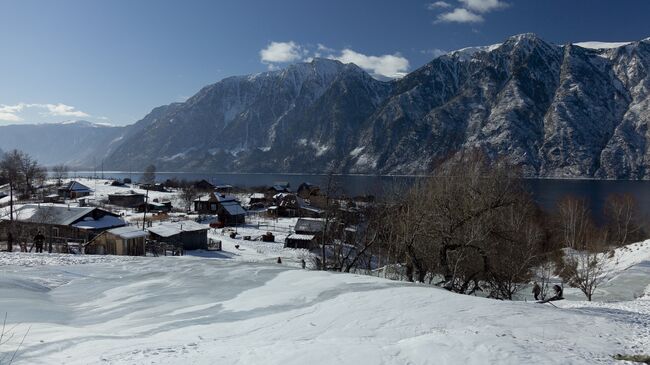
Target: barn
128, 241
189, 234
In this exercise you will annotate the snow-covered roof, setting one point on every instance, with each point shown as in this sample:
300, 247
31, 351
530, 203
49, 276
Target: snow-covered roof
126, 193
257, 196
51, 213
216, 197
107, 221
309, 225
301, 237
77, 187
128, 232
233, 208
168, 229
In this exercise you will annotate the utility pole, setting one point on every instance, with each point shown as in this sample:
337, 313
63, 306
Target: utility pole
146, 205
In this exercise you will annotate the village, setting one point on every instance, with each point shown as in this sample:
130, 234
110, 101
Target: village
93, 216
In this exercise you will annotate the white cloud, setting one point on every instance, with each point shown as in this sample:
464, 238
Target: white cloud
62, 110
459, 15
281, 52
439, 5
390, 66
11, 113
384, 66
435, 52
483, 6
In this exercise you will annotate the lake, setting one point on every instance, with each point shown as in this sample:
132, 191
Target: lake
547, 192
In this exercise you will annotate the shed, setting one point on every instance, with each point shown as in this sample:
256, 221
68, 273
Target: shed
129, 241
127, 199
74, 190
313, 226
189, 234
306, 241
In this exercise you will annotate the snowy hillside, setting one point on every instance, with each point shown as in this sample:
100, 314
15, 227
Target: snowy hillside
192, 310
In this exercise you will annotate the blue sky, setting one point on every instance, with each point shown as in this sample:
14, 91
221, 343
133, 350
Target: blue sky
113, 61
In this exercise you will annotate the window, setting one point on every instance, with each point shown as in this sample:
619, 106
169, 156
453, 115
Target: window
55, 232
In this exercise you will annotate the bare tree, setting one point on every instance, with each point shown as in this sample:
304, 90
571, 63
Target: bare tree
60, 172
623, 219
470, 227
10, 171
573, 223
188, 195
585, 269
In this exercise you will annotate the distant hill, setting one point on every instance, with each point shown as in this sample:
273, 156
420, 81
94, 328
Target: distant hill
76, 143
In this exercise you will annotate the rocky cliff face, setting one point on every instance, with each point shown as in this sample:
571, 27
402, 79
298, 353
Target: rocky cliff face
557, 111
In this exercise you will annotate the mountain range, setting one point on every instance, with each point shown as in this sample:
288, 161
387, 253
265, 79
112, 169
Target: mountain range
575, 110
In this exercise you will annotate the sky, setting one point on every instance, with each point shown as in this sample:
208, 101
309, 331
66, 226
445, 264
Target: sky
113, 61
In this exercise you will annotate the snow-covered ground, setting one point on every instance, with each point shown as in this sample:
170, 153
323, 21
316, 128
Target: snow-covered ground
225, 308
238, 306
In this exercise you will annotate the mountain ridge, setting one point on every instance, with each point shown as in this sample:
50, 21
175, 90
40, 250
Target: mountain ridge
555, 110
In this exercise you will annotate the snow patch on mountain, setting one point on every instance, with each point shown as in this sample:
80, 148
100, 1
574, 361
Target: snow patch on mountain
601, 45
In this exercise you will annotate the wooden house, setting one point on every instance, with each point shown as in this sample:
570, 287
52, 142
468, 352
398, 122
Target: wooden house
307, 190
155, 207
277, 188
59, 223
127, 199
74, 190
306, 241
226, 207
188, 234
257, 201
129, 241
291, 205
204, 185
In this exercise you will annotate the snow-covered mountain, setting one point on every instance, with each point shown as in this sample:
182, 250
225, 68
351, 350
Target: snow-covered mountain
575, 110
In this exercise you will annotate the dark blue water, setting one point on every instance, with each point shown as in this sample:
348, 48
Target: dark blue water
547, 192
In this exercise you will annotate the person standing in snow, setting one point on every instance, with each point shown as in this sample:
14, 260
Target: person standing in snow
558, 292
303, 263
279, 260
10, 242
39, 240
537, 290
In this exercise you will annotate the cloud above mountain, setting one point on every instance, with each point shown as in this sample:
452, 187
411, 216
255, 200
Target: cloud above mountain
466, 11
387, 66
14, 113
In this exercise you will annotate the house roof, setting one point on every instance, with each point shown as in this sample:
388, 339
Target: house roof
168, 229
77, 187
63, 215
216, 197
278, 187
300, 237
309, 225
128, 232
107, 221
126, 193
233, 208
257, 196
